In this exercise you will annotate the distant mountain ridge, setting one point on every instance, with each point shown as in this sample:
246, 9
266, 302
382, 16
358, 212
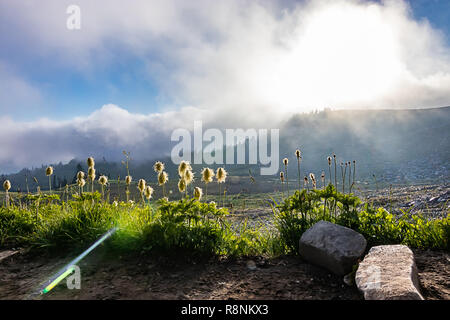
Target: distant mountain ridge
399, 146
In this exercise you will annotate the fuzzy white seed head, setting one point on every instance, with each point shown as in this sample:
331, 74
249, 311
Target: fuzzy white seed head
148, 192
207, 175
188, 177
91, 173
49, 171
198, 192
163, 177
221, 175
103, 180
141, 185
90, 162
158, 166
182, 185
6, 185
80, 175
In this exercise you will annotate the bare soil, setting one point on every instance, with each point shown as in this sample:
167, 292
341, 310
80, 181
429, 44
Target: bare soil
142, 277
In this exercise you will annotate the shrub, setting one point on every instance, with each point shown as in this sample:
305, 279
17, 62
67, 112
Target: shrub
300, 211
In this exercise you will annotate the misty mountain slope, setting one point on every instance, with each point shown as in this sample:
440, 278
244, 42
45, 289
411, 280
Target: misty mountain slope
405, 146
406, 142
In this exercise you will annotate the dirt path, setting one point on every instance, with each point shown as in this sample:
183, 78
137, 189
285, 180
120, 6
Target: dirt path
106, 277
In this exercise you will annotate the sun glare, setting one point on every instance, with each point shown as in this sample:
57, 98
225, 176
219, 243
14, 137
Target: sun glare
339, 57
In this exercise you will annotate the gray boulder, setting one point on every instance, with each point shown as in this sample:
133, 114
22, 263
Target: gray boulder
331, 246
388, 273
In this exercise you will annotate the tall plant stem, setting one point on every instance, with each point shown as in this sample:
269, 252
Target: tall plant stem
299, 183
335, 172
287, 181
349, 177
354, 171
331, 180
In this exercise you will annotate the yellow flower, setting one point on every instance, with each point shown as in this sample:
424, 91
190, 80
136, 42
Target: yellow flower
285, 161
298, 154
128, 180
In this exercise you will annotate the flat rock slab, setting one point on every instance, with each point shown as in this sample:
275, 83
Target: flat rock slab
388, 273
332, 246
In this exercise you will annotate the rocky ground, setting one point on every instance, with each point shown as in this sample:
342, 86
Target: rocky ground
143, 277
431, 200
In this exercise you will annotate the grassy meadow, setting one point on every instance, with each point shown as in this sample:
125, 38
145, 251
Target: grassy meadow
193, 216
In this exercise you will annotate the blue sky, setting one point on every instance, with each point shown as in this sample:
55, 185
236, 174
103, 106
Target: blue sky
136, 72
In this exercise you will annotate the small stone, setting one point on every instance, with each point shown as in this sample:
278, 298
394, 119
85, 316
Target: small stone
348, 279
251, 265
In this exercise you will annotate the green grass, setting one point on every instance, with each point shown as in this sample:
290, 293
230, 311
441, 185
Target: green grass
193, 228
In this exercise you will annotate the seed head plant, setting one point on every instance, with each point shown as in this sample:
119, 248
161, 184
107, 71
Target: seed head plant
90, 162
285, 162
282, 183
91, 175
313, 180
103, 180
182, 167
80, 175
221, 176
207, 177
148, 192
323, 179
7, 186
81, 182
329, 168
188, 177
49, 172
141, 187
182, 185
128, 180
298, 154
158, 167
163, 177
198, 193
